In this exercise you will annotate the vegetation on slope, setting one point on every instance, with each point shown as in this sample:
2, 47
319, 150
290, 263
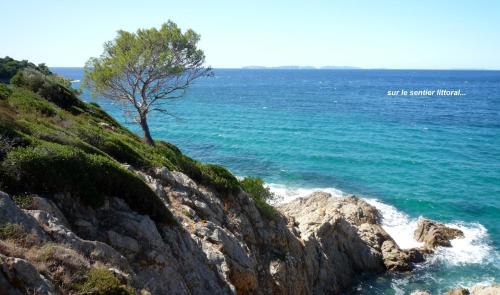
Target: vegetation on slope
9, 67
100, 281
261, 194
52, 142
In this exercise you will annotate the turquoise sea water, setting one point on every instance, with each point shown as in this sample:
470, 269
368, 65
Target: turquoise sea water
338, 130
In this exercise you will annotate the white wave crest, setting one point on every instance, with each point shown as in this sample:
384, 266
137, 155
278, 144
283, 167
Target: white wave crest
397, 224
291, 193
473, 248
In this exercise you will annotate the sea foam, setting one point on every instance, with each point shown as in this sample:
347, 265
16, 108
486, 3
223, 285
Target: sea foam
290, 193
473, 248
397, 224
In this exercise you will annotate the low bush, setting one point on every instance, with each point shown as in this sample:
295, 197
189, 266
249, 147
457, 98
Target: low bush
9, 67
101, 281
28, 102
23, 201
5, 91
52, 168
6, 144
218, 177
50, 87
64, 266
262, 195
11, 231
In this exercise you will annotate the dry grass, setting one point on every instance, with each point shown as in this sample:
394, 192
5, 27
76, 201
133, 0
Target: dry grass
64, 266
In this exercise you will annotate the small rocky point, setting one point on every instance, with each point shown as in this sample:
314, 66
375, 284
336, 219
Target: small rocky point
476, 290
221, 245
434, 234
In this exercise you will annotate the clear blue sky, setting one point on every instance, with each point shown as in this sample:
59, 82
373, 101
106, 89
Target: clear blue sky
370, 34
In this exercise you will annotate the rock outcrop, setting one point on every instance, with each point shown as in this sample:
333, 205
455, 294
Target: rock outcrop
345, 230
434, 234
476, 290
485, 290
458, 291
221, 245
18, 276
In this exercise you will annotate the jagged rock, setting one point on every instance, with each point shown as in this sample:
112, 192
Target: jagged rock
435, 234
366, 244
11, 214
357, 211
49, 206
142, 227
314, 245
458, 291
395, 258
95, 249
175, 178
18, 276
485, 290
476, 290
417, 255
122, 242
156, 187
227, 251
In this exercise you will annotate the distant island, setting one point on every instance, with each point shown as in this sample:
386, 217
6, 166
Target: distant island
301, 68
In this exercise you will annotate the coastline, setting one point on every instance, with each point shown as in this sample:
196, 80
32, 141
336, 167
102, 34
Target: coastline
474, 249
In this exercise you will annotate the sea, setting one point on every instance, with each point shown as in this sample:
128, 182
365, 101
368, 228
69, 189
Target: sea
412, 155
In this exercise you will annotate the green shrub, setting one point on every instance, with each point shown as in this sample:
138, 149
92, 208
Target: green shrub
23, 201
5, 91
28, 102
9, 67
95, 112
12, 231
119, 146
52, 168
101, 281
6, 145
262, 195
218, 177
50, 87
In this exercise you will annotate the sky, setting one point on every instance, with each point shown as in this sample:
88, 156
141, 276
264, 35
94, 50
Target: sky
369, 34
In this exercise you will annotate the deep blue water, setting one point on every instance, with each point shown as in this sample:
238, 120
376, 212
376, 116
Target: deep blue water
431, 156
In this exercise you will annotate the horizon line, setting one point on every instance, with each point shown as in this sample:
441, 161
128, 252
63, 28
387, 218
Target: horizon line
326, 68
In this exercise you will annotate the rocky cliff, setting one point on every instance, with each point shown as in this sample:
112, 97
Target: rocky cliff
316, 245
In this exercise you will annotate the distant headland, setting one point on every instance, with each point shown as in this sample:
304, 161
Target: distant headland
301, 68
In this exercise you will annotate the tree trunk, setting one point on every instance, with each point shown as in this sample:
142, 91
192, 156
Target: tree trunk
147, 135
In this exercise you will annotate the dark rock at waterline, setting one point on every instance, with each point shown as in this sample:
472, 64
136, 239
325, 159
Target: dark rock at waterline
458, 291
